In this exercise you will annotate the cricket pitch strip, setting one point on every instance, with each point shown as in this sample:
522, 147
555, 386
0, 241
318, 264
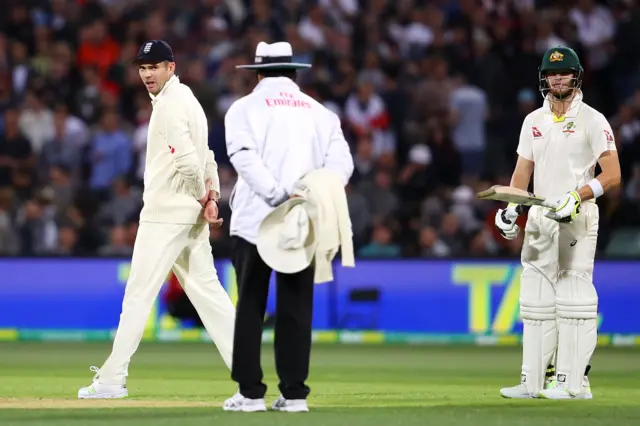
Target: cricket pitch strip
49, 403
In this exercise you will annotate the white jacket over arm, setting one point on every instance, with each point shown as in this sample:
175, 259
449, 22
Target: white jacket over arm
325, 188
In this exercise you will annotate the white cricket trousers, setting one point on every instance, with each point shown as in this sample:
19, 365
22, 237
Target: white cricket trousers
158, 249
550, 248
558, 301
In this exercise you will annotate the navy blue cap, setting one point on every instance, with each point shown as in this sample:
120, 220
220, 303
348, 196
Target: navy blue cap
153, 52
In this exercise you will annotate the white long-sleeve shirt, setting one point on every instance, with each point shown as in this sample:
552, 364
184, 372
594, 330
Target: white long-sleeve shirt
275, 135
178, 159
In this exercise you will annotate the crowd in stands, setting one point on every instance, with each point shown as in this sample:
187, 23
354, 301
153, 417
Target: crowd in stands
432, 95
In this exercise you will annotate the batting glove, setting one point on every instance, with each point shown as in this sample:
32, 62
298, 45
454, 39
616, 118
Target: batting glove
564, 209
506, 221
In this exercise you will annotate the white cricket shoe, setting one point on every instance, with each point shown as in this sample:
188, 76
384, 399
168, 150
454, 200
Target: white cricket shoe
239, 403
99, 390
517, 392
290, 405
520, 391
560, 391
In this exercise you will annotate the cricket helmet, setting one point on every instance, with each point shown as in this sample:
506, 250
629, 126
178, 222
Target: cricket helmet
559, 59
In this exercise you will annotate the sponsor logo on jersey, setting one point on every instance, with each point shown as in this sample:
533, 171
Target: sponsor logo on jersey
609, 135
536, 133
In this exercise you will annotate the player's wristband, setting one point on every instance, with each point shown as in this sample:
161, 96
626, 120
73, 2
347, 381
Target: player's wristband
596, 187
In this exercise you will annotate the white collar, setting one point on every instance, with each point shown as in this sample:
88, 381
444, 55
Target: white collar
267, 81
573, 109
154, 98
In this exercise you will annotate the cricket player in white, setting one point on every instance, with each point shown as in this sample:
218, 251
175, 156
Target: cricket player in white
560, 143
181, 187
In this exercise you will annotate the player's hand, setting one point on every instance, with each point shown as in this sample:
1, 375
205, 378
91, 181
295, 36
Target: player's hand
211, 214
506, 221
564, 209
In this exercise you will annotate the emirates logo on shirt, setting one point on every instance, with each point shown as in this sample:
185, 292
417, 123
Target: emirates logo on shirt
536, 133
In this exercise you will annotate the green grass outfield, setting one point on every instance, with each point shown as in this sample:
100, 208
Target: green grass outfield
184, 384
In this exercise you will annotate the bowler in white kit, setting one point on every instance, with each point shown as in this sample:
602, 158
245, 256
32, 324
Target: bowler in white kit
560, 143
181, 188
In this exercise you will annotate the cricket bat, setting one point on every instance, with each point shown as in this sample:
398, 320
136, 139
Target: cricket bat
511, 195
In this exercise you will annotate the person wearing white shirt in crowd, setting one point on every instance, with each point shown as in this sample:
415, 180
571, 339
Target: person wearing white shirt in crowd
560, 143
181, 189
275, 135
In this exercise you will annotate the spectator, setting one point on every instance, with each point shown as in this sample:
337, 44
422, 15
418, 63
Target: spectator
67, 242
482, 244
9, 244
37, 229
36, 121
364, 159
62, 188
462, 207
312, 27
469, 111
381, 245
111, 155
97, 48
23, 73
416, 178
118, 244
381, 196
72, 128
124, 204
62, 150
15, 149
88, 97
451, 234
360, 215
431, 245
366, 112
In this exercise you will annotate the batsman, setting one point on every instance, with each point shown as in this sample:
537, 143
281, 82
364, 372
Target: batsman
560, 143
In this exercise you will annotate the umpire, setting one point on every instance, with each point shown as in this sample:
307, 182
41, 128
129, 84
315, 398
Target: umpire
274, 136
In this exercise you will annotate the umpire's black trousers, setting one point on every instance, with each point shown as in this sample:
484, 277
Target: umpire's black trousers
294, 309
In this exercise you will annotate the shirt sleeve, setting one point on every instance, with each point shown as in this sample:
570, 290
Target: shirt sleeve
183, 151
246, 160
525, 148
338, 157
601, 136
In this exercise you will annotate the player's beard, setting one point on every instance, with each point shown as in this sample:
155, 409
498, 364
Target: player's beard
563, 93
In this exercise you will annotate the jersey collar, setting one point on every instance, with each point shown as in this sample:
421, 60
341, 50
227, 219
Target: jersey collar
154, 98
573, 110
273, 81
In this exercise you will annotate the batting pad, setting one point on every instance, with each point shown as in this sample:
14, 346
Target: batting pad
577, 308
540, 336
